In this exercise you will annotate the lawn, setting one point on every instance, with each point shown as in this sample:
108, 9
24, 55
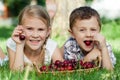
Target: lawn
110, 29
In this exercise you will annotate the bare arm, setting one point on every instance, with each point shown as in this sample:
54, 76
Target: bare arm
101, 43
106, 62
62, 50
2, 55
57, 55
93, 55
16, 58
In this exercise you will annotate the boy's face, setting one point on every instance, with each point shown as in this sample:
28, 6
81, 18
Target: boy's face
83, 31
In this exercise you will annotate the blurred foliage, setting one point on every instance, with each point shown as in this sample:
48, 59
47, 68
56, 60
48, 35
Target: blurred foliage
15, 6
89, 1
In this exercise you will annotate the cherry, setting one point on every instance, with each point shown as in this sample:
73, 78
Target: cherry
57, 63
22, 37
69, 67
88, 42
66, 62
73, 61
90, 65
43, 68
62, 69
62, 64
81, 62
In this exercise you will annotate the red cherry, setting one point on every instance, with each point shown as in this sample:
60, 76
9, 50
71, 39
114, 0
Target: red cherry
54, 67
22, 37
62, 69
58, 68
69, 67
43, 68
66, 62
90, 65
57, 63
88, 42
81, 62
62, 64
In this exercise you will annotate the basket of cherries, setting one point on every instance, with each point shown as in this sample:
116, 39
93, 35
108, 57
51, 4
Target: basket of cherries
68, 66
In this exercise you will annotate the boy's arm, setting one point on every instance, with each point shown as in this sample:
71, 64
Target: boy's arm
102, 46
92, 55
106, 62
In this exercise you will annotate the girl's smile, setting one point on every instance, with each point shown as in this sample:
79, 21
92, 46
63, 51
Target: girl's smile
34, 42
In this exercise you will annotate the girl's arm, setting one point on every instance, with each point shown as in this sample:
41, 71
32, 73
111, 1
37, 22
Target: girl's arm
62, 50
16, 57
57, 55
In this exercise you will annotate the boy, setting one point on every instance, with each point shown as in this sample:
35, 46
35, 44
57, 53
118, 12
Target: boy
86, 42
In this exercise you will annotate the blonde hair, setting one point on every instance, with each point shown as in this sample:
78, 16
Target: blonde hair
36, 11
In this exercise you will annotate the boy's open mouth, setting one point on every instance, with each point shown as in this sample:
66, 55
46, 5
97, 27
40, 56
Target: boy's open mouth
88, 42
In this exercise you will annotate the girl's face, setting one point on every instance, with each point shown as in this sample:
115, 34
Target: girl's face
36, 32
83, 31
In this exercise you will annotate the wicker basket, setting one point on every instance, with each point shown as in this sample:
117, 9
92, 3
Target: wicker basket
71, 71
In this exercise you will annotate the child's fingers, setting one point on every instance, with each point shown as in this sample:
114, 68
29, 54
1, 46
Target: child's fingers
18, 30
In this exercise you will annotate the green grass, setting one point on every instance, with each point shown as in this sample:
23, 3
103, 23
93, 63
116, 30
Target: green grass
110, 29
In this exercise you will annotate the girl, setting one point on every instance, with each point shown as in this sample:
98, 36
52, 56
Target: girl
34, 24
86, 42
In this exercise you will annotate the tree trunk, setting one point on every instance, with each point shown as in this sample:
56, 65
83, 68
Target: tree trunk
61, 19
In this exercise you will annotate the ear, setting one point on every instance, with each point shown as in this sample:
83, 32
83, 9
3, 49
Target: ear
49, 32
71, 33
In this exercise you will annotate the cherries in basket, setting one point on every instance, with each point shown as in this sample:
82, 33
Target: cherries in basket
67, 65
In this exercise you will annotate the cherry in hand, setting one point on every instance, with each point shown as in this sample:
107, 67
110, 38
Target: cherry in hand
21, 37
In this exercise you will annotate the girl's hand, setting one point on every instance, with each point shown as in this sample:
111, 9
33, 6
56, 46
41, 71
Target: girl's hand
16, 34
100, 41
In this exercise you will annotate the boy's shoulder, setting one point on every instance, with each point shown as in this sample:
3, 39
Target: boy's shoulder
71, 39
71, 42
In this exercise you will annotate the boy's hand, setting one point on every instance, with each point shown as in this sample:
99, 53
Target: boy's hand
100, 41
16, 34
93, 55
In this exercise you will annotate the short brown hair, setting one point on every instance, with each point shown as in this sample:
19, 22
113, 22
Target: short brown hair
82, 13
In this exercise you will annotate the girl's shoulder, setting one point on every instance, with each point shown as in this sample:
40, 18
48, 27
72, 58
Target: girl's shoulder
51, 44
50, 41
11, 44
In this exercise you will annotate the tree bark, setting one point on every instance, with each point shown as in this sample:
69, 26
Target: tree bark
60, 22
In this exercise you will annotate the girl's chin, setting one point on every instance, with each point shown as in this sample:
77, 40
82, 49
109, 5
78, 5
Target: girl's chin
34, 49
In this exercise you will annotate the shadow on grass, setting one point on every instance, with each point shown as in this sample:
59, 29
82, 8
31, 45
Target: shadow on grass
5, 32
